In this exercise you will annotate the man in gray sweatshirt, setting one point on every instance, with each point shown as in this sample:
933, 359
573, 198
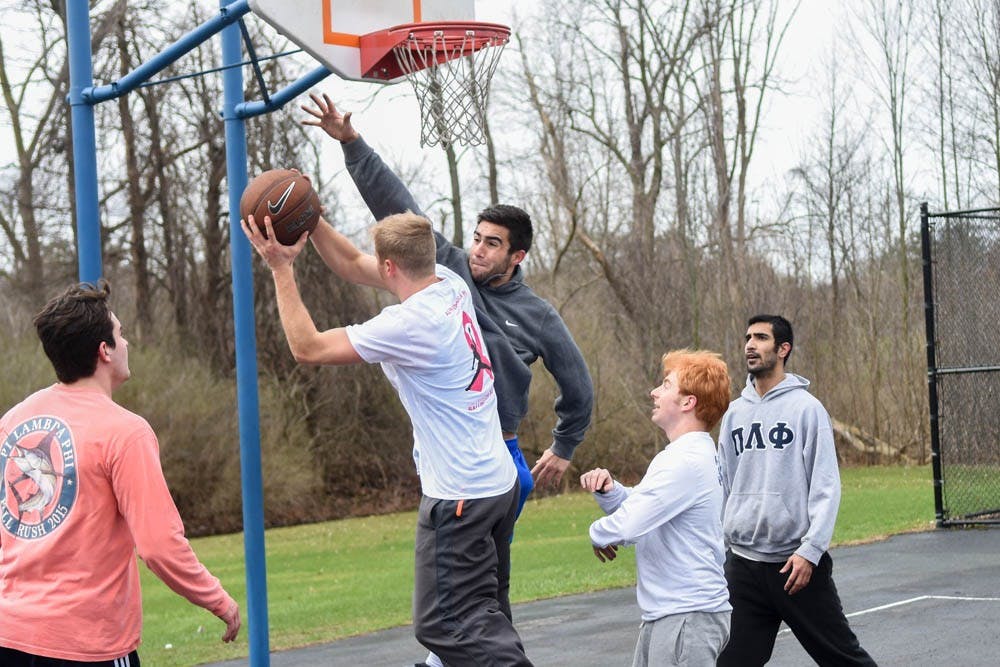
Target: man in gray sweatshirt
781, 489
518, 325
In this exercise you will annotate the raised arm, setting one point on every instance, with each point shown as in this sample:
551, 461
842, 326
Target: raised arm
307, 344
343, 257
326, 117
378, 185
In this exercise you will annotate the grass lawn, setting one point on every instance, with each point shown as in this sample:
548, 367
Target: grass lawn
332, 580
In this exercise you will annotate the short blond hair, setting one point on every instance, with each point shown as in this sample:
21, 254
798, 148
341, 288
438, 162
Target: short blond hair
408, 240
704, 375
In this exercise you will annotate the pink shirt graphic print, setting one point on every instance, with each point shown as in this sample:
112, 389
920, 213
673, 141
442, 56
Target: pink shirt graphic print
480, 360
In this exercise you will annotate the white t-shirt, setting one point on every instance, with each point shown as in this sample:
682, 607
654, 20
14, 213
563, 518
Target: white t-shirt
674, 518
431, 349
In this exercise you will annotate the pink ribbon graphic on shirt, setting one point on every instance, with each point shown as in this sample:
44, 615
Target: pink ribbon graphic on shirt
480, 360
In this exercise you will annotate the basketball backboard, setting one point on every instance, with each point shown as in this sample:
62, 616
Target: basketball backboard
331, 30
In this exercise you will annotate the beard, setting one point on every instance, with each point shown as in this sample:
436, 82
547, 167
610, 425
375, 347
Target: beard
764, 366
490, 274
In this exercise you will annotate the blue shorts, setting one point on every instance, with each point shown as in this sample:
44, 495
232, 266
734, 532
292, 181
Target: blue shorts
523, 473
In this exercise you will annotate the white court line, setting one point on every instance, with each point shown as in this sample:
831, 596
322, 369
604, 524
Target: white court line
919, 599
910, 601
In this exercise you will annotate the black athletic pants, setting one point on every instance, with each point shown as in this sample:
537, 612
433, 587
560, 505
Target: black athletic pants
814, 615
461, 609
12, 658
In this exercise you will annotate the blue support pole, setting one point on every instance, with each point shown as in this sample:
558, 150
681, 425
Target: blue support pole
246, 356
81, 77
283, 96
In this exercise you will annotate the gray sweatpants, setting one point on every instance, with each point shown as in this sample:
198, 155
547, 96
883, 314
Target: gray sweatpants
694, 639
461, 609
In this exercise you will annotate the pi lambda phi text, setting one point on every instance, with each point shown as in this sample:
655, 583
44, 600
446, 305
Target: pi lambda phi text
778, 437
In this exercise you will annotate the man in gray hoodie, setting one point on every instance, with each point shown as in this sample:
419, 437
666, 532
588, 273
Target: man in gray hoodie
518, 325
781, 489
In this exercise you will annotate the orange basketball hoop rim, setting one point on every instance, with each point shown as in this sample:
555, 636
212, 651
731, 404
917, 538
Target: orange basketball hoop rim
437, 42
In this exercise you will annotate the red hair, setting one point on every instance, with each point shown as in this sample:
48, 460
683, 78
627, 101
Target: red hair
705, 376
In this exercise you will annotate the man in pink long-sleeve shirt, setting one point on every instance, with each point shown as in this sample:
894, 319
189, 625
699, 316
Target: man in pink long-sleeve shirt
81, 492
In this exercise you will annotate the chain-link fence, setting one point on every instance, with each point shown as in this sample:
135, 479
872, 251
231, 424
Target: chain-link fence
961, 252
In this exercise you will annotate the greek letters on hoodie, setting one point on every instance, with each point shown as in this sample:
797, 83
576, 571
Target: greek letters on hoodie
780, 478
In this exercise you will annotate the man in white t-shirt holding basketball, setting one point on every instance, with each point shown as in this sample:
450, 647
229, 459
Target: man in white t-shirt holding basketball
431, 350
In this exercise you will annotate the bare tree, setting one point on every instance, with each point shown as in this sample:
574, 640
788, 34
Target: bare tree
139, 184
982, 32
458, 232
34, 94
491, 161
945, 61
889, 23
742, 48
608, 121
829, 176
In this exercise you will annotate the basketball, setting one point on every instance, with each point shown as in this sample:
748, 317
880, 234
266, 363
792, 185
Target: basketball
288, 198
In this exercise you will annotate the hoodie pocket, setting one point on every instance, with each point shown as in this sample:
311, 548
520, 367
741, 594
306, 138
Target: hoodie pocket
757, 520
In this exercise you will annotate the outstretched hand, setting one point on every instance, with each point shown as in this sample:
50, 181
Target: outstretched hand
331, 121
275, 254
549, 468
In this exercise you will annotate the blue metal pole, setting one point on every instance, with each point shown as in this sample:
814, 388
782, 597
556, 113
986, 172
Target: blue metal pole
229, 14
81, 77
283, 96
246, 356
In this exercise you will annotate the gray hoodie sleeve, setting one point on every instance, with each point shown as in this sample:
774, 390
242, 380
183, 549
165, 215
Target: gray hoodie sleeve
575, 403
379, 186
820, 460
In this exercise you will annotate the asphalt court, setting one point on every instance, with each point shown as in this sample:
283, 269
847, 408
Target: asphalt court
918, 599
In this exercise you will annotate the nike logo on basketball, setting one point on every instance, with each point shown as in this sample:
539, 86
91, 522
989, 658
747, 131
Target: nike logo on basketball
510, 324
275, 208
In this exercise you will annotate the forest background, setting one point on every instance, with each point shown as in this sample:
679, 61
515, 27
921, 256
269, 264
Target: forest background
631, 130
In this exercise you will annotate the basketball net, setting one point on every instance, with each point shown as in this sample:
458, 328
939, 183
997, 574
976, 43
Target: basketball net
450, 72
